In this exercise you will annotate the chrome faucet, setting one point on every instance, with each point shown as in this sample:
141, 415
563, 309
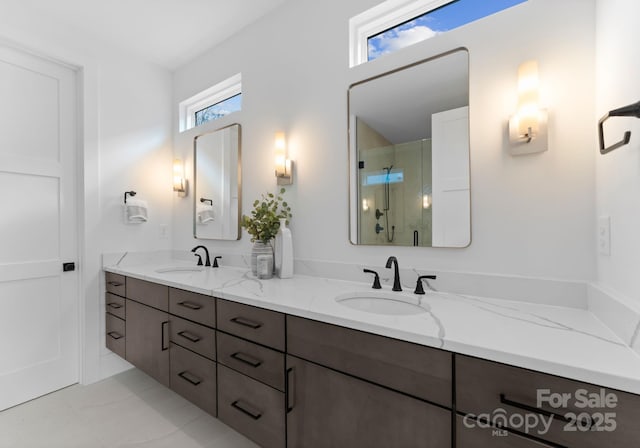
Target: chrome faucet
206, 252
396, 273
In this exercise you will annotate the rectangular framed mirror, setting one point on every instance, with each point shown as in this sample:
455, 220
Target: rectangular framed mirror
217, 180
409, 155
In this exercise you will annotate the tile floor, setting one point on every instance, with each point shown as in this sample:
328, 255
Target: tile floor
126, 410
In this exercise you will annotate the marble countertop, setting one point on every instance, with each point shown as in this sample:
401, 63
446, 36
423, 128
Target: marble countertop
564, 341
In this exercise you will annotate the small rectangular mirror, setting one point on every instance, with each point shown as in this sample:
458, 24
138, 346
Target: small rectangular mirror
409, 155
217, 179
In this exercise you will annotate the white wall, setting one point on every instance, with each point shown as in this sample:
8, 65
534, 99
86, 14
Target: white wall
531, 215
618, 173
126, 143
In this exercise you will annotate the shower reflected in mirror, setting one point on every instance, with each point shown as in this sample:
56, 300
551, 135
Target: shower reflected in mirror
409, 152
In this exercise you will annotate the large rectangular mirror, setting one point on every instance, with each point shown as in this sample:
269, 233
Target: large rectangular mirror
409, 155
216, 210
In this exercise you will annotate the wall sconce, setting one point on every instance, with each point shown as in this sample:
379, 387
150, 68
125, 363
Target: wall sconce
179, 182
528, 127
365, 205
284, 166
426, 201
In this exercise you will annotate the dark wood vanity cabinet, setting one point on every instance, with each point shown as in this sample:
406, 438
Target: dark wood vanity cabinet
192, 353
283, 380
148, 340
251, 386
178, 352
147, 328
327, 408
357, 389
194, 377
115, 314
578, 414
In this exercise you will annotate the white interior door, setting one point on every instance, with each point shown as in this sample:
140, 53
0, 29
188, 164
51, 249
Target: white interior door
38, 227
450, 176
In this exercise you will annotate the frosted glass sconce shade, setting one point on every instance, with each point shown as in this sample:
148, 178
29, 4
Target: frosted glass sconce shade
528, 127
283, 166
179, 181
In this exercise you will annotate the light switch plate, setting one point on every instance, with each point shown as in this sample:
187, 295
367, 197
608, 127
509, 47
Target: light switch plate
604, 235
164, 231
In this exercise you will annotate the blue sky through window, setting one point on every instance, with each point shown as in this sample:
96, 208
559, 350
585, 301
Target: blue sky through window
445, 18
219, 110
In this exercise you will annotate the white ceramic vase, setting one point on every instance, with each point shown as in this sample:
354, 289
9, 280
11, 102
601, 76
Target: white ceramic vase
284, 251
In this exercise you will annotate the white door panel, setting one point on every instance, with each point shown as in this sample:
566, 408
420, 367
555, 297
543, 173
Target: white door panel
31, 217
38, 227
450, 178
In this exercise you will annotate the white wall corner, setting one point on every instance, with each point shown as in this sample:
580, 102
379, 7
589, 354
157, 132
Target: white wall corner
618, 313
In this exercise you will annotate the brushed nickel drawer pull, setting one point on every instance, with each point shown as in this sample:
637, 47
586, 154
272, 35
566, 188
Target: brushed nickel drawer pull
526, 407
114, 305
116, 284
247, 359
189, 336
189, 377
115, 335
244, 408
190, 305
246, 322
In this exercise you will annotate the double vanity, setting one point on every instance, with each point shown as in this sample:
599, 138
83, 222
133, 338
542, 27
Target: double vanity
317, 362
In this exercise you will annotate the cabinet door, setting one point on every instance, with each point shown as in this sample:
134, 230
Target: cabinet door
147, 342
329, 409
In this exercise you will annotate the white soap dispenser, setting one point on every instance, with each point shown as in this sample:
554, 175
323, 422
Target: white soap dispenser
284, 251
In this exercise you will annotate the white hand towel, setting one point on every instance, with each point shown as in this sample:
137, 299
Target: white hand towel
135, 211
204, 213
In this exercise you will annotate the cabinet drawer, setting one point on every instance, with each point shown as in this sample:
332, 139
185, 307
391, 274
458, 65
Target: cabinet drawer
190, 305
410, 368
488, 387
470, 435
260, 363
115, 283
251, 408
329, 409
256, 324
193, 377
147, 293
115, 337
115, 305
195, 337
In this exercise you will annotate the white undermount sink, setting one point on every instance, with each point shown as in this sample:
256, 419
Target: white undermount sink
179, 270
381, 302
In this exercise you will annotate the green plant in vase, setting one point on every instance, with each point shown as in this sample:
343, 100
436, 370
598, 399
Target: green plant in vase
264, 222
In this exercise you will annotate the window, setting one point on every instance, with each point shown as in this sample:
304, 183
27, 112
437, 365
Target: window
396, 24
219, 110
211, 104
